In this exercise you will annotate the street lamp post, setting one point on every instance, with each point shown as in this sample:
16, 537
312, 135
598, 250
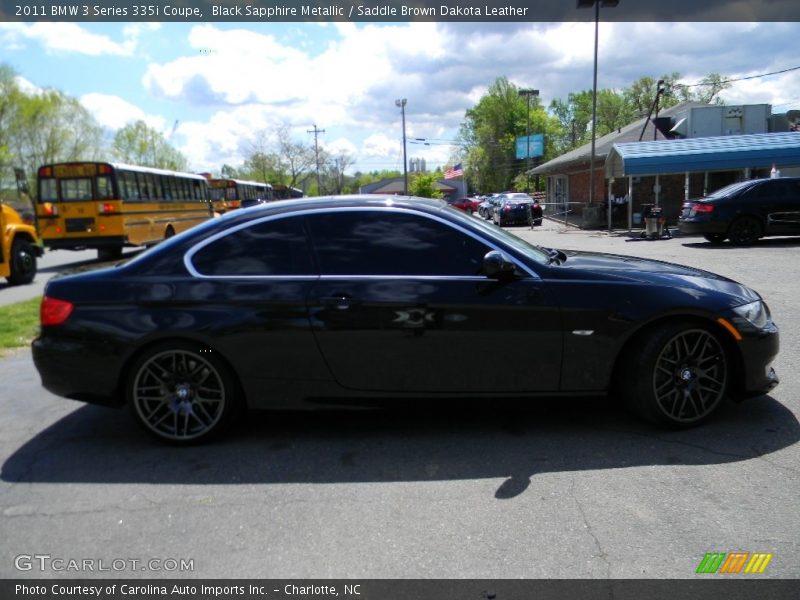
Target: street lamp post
596, 4
401, 103
527, 93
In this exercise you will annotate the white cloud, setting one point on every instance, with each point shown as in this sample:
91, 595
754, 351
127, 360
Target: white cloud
69, 37
345, 77
114, 113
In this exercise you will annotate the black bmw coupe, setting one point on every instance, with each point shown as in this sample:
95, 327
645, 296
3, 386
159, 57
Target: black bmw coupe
343, 301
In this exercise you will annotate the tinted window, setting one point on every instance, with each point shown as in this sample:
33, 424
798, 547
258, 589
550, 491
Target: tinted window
773, 189
384, 243
272, 248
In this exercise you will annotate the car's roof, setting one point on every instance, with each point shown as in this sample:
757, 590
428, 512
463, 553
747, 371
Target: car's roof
347, 201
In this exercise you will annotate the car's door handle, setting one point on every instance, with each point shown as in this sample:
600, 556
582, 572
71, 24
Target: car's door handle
338, 301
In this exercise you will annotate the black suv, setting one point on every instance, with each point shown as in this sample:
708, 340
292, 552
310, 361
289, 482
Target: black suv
746, 211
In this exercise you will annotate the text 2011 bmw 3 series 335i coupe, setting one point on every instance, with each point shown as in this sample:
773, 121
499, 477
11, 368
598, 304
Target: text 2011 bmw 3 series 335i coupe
344, 301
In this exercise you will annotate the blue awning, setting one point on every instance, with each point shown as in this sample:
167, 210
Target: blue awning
722, 153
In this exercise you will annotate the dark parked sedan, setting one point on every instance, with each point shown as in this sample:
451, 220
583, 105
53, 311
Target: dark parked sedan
515, 209
746, 211
357, 300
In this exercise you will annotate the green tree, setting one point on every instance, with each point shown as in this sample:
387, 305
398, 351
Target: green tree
333, 166
43, 127
10, 98
707, 91
276, 157
139, 144
489, 131
424, 186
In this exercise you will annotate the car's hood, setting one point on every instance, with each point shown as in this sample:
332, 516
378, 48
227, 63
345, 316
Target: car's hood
594, 265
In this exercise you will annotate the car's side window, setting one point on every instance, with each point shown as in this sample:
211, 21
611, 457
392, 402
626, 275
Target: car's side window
277, 247
377, 242
794, 191
784, 191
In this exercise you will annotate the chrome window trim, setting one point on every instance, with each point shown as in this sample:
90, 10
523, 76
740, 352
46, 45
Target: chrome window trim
187, 257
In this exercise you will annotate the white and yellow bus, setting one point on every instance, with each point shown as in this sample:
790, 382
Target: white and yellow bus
107, 206
228, 194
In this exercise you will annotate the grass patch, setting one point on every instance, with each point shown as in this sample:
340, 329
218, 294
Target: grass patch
19, 323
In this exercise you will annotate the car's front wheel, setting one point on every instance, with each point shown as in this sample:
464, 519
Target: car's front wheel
680, 375
23, 262
181, 393
744, 231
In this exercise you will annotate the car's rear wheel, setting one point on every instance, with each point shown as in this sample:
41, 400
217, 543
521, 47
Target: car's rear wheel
715, 238
680, 377
744, 231
181, 393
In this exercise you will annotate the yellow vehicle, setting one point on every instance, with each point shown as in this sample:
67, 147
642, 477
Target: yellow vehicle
19, 247
229, 194
107, 206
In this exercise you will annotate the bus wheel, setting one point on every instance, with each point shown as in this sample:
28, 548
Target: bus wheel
110, 253
23, 262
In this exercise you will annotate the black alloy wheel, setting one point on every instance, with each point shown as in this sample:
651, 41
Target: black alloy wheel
681, 377
181, 393
744, 231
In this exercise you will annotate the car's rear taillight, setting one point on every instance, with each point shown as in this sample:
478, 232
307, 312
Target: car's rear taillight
507, 208
703, 208
54, 311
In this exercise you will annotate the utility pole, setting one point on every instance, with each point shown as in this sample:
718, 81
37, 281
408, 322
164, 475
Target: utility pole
527, 93
401, 104
316, 132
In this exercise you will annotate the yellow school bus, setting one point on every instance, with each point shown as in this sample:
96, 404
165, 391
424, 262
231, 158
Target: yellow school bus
18, 246
107, 206
228, 194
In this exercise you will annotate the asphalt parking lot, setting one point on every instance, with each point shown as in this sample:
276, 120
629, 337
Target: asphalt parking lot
568, 489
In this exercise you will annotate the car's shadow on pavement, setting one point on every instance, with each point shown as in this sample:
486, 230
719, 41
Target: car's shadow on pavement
99, 445
777, 242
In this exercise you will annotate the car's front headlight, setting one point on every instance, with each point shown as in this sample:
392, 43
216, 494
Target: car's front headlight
756, 314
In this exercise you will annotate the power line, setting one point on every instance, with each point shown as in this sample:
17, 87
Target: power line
688, 85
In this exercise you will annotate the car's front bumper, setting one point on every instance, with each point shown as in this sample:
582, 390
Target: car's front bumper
758, 352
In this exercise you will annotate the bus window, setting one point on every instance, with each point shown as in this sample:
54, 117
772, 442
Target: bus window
104, 188
76, 189
167, 183
47, 190
198, 190
144, 190
127, 185
151, 186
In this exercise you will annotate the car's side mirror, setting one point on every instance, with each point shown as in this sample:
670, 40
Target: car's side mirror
497, 265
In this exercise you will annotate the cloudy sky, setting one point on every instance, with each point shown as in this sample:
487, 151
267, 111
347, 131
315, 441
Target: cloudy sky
222, 82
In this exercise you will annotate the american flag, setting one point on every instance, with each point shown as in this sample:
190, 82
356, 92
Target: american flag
456, 171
